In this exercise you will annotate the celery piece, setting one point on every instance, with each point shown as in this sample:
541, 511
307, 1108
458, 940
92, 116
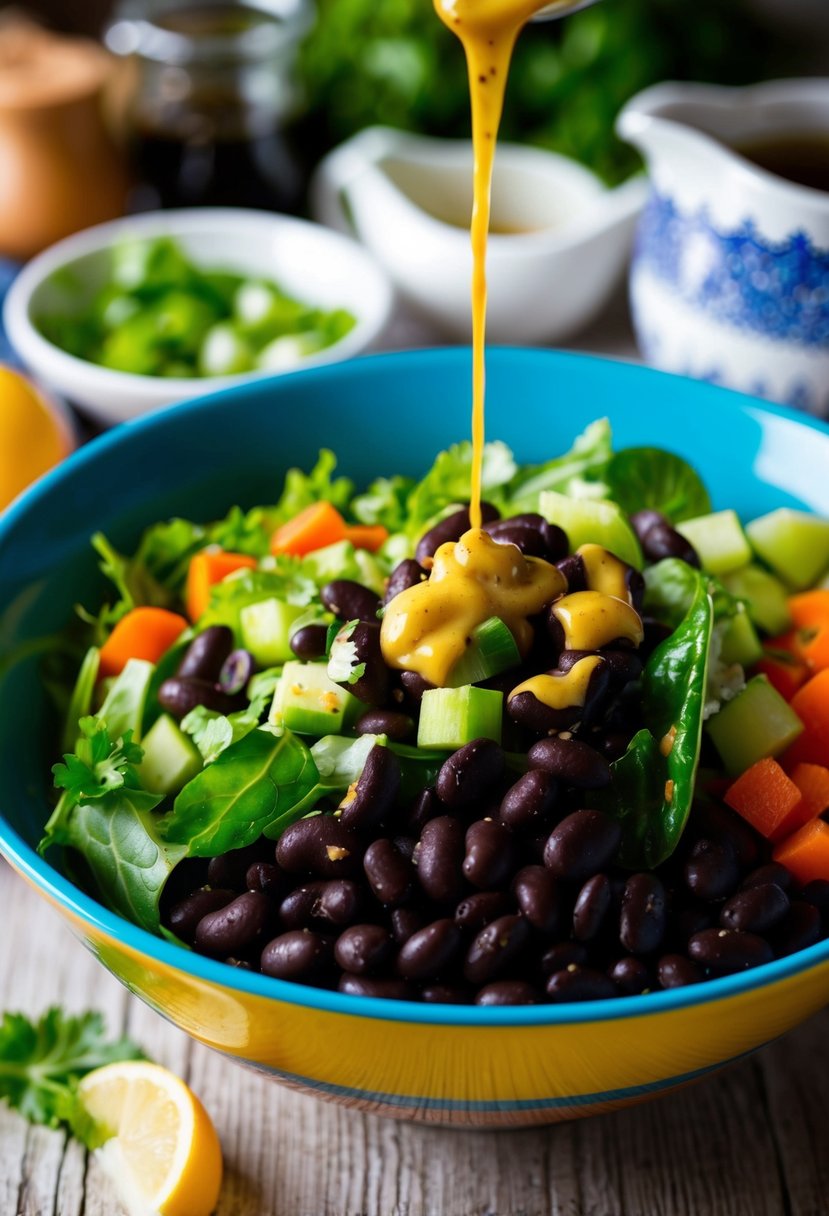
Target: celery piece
492, 649
756, 724
451, 717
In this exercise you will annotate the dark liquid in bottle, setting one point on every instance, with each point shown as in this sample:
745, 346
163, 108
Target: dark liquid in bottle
802, 158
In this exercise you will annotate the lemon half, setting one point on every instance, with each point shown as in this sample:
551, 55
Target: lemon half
33, 436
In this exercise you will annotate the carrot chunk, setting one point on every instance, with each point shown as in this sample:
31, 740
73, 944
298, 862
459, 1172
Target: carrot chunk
783, 671
767, 799
314, 528
811, 704
813, 782
805, 854
810, 613
207, 568
366, 536
144, 633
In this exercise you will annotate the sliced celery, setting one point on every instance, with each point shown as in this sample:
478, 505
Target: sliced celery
451, 717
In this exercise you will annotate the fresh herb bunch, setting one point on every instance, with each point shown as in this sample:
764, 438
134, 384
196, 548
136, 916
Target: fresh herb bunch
43, 1061
396, 63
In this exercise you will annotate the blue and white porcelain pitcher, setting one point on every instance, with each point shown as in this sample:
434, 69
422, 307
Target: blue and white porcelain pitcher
730, 275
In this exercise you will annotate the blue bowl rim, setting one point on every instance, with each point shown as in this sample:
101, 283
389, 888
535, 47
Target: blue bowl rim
209, 971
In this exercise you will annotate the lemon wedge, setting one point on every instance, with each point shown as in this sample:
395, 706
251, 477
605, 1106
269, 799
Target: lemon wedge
163, 1154
33, 436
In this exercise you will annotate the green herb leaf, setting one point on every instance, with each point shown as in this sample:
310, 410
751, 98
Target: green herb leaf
213, 733
447, 482
100, 764
578, 472
640, 478
343, 665
301, 490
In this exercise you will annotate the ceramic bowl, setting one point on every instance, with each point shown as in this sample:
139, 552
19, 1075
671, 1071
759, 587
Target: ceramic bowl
559, 243
315, 264
450, 1065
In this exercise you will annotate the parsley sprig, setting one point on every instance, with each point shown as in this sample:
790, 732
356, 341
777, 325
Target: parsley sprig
99, 765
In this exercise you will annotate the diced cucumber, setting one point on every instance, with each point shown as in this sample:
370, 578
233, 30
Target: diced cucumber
450, 717
741, 643
719, 539
340, 760
592, 521
171, 759
369, 571
756, 724
266, 630
332, 561
794, 543
307, 702
766, 598
492, 649
224, 352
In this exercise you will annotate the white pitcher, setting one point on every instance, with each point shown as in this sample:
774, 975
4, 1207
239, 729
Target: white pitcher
730, 276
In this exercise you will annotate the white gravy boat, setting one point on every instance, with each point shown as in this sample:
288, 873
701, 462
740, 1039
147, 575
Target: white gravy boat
563, 242
730, 275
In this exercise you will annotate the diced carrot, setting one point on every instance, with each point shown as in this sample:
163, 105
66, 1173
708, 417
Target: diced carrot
811, 704
783, 671
144, 633
314, 528
810, 613
813, 782
805, 854
206, 569
366, 536
784, 643
767, 799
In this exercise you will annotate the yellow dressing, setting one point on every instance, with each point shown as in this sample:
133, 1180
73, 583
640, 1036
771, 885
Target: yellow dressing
604, 571
562, 690
427, 627
591, 620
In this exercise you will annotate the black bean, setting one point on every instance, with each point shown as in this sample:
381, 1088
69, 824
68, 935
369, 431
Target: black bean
579, 984
613, 745
266, 877
322, 846
338, 902
711, 873
230, 869
771, 872
405, 922
298, 955
414, 687
372, 687
185, 915
490, 854
724, 951
799, 928
677, 971
661, 541
495, 948
719, 823
591, 908
452, 527
572, 567
572, 762
386, 989
430, 952
635, 581
237, 669
350, 601
655, 632
528, 804
508, 992
375, 793
755, 909
426, 806
563, 955
203, 658
538, 897
582, 844
363, 949
817, 892
236, 926
470, 773
643, 521
446, 994
439, 858
309, 642
390, 875
405, 846
398, 727
476, 911
644, 914
693, 920
178, 696
405, 574
516, 532
630, 975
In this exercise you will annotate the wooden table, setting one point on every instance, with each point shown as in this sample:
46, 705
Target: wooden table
750, 1142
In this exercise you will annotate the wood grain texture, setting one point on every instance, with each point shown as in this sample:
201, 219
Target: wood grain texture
749, 1142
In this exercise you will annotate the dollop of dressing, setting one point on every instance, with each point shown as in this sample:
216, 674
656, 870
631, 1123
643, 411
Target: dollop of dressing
604, 571
591, 620
428, 627
564, 689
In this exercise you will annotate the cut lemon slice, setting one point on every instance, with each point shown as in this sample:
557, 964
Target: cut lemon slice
163, 1153
33, 436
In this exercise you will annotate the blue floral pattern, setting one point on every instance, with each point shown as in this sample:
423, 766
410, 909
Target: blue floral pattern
780, 290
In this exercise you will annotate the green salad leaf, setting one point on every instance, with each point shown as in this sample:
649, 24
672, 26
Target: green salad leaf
123, 707
100, 764
301, 490
640, 478
385, 502
579, 472
447, 482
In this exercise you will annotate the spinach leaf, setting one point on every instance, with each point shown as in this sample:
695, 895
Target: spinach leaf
670, 587
118, 837
123, 707
640, 478
257, 785
653, 783
579, 472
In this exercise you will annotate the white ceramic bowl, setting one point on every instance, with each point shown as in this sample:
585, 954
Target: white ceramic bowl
559, 244
309, 261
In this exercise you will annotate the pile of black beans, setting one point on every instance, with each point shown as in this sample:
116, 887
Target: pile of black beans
496, 884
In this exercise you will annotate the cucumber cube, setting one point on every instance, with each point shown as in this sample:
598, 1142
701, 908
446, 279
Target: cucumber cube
794, 543
171, 758
308, 703
266, 630
332, 561
592, 521
756, 724
741, 643
767, 600
719, 539
450, 717
492, 649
